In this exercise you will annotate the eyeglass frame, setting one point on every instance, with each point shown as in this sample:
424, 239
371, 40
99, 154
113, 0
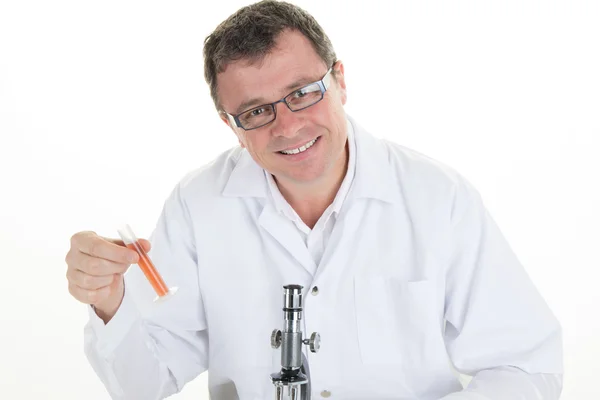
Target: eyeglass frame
322, 85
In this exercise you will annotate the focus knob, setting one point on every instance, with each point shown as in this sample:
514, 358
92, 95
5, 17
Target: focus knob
276, 339
314, 343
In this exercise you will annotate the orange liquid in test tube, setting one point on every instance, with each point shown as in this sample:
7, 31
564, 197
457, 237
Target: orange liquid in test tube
145, 264
148, 268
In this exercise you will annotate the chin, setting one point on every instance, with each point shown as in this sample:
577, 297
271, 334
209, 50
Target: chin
305, 175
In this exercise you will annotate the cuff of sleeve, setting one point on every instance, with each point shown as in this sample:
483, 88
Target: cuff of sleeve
110, 335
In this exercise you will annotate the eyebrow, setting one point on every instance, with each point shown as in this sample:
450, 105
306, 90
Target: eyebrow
257, 101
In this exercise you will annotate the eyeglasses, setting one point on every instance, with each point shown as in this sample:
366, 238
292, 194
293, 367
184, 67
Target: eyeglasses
298, 100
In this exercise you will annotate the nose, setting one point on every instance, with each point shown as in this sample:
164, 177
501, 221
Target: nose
287, 123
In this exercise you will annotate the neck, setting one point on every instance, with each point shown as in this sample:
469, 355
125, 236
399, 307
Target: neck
311, 201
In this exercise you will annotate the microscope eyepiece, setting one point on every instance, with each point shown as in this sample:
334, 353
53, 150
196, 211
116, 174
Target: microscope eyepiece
292, 297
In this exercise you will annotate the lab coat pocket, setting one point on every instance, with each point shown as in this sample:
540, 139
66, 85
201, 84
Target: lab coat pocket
393, 318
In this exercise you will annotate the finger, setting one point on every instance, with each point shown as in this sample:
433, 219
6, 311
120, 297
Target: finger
89, 282
98, 266
89, 296
93, 245
145, 244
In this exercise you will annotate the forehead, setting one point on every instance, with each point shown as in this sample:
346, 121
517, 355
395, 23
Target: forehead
292, 60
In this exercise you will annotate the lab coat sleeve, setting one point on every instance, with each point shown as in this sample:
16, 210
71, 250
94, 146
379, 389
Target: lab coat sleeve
499, 329
151, 350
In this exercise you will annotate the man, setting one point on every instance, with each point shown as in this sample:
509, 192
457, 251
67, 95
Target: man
405, 273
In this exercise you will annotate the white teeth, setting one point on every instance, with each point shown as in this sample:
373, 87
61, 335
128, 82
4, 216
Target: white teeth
300, 149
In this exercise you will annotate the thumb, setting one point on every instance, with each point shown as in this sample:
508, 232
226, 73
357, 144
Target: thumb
145, 244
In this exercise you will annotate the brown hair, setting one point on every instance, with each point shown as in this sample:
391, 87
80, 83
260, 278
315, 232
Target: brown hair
250, 34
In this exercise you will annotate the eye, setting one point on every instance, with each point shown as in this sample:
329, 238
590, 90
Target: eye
256, 112
300, 93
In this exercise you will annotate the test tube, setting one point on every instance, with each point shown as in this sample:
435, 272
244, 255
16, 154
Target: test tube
146, 265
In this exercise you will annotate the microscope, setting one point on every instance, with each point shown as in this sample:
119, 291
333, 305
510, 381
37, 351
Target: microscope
294, 373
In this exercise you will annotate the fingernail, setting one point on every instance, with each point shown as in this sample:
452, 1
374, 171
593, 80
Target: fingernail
132, 257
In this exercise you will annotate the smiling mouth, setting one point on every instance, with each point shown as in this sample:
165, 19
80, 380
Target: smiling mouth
300, 149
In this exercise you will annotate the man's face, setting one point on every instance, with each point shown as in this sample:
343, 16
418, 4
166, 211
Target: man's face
291, 65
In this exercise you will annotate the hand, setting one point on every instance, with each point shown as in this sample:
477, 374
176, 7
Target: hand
95, 268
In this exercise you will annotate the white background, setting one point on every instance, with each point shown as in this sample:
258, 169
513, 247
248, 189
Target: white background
103, 108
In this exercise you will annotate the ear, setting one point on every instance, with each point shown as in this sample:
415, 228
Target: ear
224, 118
227, 122
338, 70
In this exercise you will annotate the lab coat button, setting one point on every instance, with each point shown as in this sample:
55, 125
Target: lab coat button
325, 393
315, 291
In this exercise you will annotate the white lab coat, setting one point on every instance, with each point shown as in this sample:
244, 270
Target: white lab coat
416, 277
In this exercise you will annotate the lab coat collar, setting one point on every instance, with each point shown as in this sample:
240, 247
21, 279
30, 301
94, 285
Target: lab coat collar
246, 179
373, 177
